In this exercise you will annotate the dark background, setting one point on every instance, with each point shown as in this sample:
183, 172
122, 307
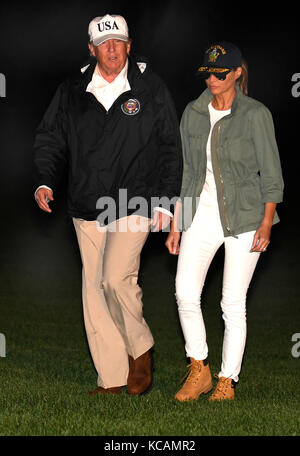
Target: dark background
41, 43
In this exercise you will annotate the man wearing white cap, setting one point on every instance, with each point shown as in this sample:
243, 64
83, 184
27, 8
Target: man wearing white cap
115, 127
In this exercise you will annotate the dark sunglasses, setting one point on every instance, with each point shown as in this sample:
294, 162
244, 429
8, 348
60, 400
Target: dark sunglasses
220, 76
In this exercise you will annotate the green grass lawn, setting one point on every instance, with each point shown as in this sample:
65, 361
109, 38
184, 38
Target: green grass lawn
47, 371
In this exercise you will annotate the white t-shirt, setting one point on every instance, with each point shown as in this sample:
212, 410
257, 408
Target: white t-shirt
209, 191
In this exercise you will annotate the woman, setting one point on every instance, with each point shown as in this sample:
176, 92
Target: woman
231, 184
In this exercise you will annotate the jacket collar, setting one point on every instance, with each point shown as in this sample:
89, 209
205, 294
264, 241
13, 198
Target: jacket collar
134, 74
202, 102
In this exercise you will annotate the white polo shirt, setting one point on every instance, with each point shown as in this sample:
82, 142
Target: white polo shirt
107, 92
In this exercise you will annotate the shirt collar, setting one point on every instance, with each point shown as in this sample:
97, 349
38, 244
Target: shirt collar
98, 80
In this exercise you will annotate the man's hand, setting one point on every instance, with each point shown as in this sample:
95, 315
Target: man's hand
160, 221
41, 197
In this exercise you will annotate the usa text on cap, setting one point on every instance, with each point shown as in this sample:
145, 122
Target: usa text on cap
103, 28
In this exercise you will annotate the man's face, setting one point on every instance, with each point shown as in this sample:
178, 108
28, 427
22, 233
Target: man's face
111, 56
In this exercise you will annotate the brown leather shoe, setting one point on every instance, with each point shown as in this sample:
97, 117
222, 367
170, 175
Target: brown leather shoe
140, 374
101, 390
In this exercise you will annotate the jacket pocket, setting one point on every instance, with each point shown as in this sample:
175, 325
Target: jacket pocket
249, 195
240, 159
197, 155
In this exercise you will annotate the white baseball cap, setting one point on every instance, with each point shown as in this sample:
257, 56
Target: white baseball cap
107, 27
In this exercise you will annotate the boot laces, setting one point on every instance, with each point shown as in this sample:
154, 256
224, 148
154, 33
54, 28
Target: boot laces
222, 386
193, 372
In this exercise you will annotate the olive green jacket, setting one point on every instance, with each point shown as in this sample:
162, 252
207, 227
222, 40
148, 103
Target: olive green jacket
245, 161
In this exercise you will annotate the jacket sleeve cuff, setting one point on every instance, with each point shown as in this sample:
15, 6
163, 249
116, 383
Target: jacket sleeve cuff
43, 186
274, 197
165, 211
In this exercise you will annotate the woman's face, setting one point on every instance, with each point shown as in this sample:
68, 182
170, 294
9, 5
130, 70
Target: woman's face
218, 87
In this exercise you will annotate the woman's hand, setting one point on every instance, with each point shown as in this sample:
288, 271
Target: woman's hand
172, 242
261, 238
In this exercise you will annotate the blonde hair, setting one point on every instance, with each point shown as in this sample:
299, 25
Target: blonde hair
243, 79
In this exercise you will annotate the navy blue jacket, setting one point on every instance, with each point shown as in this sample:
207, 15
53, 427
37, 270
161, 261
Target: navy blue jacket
137, 147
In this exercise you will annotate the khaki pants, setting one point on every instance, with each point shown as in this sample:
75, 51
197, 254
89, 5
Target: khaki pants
112, 299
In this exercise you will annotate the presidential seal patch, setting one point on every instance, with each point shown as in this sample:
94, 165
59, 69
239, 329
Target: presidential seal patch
131, 107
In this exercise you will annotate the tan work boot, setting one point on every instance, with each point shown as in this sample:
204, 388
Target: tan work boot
224, 389
198, 381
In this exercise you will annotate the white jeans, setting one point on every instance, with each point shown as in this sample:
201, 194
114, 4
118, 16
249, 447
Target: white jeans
198, 247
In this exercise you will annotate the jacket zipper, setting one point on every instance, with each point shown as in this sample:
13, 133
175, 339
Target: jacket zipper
219, 181
218, 176
100, 105
117, 100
